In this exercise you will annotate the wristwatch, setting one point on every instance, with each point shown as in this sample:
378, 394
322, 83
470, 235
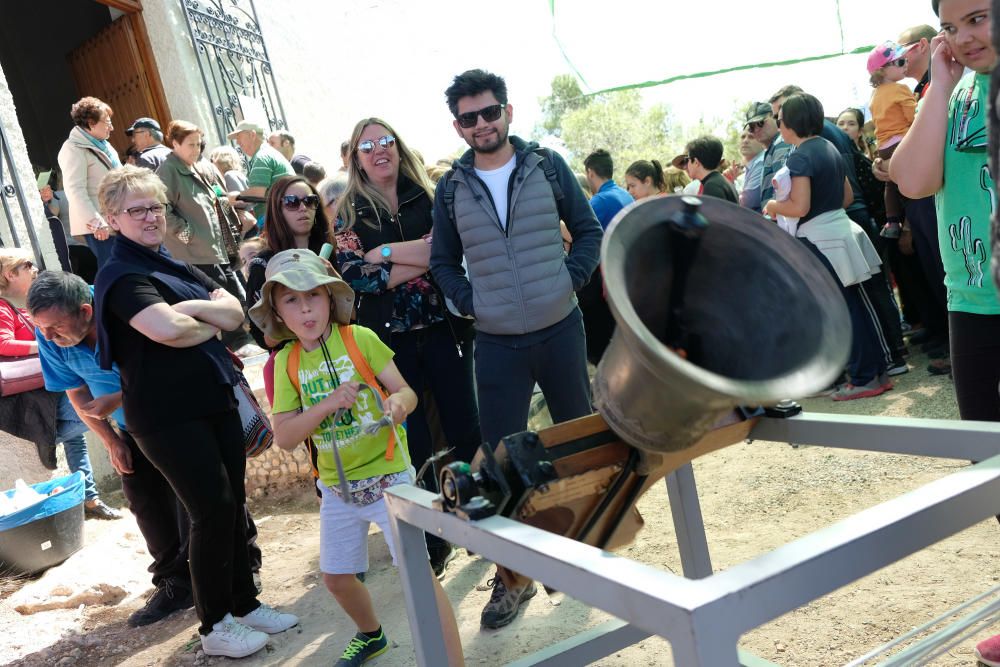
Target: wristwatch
386, 253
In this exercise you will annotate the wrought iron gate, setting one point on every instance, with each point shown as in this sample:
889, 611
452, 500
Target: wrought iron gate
12, 190
233, 61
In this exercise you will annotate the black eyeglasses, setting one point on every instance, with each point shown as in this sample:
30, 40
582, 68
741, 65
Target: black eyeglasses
777, 119
295, 202
367, 146
489, 114
682, 162
27, 264
756, 125
898, 62
140, 212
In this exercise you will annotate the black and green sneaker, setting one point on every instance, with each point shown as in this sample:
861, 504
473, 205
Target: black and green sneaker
363, 648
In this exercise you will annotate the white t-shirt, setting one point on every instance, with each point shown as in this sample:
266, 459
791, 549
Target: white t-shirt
497, 181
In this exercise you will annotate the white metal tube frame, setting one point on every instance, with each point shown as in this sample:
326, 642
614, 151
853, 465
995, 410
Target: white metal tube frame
703, 616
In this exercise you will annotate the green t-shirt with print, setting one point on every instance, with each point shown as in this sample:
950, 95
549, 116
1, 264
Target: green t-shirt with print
266, 166
363, 455
966, 201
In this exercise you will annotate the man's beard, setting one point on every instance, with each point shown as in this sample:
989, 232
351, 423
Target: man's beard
493, 146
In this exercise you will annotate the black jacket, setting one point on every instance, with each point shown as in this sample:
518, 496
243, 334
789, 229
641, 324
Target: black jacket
412, 221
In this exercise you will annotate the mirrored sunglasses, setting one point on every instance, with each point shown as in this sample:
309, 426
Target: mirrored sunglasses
367, 146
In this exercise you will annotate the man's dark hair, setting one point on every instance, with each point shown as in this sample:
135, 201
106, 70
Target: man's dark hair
314, 172
473, 82
344, 147
935, 5
285, 135
785, 91
803, 115
600, 162
707, 150
58, 289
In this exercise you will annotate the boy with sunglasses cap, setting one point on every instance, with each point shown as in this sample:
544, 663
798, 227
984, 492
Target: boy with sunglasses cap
356, 429
893, 107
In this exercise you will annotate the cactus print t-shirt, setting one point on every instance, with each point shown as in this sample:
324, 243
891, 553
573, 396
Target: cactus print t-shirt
966, 201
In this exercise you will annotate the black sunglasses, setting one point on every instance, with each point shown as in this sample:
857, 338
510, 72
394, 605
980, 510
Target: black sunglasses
683, 161
489, 114
367, 146
756, 125
295, 202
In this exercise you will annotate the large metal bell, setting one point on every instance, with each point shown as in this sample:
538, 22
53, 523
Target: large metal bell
763, 320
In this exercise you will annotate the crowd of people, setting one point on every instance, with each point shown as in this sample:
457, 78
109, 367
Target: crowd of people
408, 309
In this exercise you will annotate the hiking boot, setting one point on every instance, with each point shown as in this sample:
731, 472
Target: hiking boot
850, 392
268, 619
503, 605
232, 639
940, 366
100, 511
363, 648
988, 651
169, 596
440, 557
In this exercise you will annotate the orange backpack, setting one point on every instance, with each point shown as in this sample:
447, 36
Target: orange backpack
364, 370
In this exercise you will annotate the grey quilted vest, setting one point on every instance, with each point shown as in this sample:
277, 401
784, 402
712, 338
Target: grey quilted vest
519, 279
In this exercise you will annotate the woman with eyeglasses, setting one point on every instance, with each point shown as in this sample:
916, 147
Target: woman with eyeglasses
644, 178
384, 254
945, 154
202, 228
158, 319
819, 194
17, 339
85, 157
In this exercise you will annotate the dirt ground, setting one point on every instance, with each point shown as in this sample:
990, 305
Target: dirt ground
754, 497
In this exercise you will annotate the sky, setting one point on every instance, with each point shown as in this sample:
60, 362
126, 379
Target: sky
400, 55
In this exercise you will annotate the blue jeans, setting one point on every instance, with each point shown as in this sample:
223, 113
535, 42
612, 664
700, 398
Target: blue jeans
101, 249
69, 431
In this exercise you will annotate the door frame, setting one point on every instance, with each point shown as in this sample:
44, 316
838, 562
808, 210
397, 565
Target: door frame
132, 9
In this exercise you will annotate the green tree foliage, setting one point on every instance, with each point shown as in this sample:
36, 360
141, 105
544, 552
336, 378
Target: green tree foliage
617, 123
566, 96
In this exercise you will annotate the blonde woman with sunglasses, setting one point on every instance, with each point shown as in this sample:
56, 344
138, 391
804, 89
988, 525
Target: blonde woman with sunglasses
384, 255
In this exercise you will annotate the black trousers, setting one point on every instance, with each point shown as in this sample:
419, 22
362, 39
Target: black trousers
975, 364
430, 363
164, 522
160, 516
922, 217
203, 461
506, 376
224, 275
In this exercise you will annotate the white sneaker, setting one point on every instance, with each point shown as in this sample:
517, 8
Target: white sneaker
232, 639
269, 620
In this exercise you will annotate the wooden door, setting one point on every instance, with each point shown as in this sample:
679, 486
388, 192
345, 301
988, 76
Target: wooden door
116, 66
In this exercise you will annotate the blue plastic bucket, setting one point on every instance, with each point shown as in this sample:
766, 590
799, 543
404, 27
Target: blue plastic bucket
47, 533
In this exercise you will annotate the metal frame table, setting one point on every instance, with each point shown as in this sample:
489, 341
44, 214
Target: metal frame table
703, 614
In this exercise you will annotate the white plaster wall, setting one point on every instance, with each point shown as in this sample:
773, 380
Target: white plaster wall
178, 65
22, 165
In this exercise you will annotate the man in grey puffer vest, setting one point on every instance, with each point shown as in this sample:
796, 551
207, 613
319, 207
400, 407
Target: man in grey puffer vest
500, 207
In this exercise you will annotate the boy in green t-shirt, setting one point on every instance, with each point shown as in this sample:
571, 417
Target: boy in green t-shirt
303, 300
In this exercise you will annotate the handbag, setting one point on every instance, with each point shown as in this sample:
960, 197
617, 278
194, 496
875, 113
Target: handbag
20, 374
258, 436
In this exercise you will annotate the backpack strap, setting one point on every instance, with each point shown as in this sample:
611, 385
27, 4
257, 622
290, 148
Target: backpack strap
448, 195
364, 369
550, 173
292, 368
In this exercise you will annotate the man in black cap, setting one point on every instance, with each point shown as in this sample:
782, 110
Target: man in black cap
762, 126
148, 141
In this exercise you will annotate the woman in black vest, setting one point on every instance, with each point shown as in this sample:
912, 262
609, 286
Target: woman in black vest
159, 319
383, 239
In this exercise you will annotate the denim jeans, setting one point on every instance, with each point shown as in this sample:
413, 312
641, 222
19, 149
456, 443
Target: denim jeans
69, 431
101, 249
